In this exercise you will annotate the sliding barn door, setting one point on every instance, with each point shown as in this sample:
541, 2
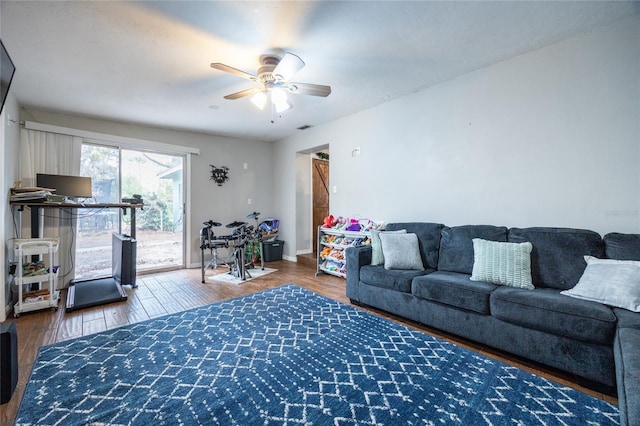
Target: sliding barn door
320, 194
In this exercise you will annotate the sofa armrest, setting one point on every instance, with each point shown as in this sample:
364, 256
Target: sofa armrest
626, 318
626, 351
356, 257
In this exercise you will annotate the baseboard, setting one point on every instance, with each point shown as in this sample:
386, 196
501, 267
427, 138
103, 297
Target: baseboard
290, 258
305, 251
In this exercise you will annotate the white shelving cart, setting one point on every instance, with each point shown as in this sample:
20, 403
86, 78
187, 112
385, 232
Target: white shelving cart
42, 272
331, 249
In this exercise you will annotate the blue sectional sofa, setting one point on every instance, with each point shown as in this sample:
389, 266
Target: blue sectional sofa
597, 343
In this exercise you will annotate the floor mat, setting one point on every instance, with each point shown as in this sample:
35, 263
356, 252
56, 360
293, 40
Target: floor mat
232, 279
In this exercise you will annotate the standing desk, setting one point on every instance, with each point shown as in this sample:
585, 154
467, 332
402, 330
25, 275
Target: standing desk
91, 291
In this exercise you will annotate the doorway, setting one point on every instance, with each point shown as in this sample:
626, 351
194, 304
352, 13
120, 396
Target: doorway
319, 196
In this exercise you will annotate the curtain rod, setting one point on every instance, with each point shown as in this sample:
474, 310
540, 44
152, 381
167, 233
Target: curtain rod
121, 141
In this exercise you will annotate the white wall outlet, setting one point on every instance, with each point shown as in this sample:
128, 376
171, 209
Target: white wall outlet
249, 201
335, 189
246, 166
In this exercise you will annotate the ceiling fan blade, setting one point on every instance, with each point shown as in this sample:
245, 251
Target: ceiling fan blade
309, 89
243, 93
234, 71
287, 67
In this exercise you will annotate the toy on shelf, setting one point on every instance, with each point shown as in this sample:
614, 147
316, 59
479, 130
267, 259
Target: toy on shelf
335, 235
341, 223
269, 229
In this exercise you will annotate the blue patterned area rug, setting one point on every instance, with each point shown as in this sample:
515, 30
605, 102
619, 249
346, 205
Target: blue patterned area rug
287, 356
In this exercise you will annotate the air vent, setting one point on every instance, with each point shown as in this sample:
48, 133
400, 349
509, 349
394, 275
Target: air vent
305, 127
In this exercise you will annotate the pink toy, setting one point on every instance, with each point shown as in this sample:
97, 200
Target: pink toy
353, 225
329, 221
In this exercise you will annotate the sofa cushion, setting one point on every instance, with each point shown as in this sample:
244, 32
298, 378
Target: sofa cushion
393, 279
610, 281
454, 289
502, 263
557, 258
456, 248
622, 246
377, 257
428, 237
401, 251
548, 310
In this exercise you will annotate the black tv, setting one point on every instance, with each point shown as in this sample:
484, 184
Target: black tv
68, 186
7, 69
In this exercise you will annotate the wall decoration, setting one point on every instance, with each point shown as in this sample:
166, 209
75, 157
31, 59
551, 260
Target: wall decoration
219, 174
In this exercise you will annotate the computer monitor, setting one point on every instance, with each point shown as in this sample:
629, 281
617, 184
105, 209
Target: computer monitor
68, 186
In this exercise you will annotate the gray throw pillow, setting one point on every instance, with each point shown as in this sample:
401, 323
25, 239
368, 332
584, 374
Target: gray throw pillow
401, 251
502, 263
377, 257
611, 282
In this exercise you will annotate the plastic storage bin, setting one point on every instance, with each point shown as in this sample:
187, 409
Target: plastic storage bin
272, 250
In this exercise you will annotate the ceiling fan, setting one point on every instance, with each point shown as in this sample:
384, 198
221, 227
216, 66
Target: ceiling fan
274, 79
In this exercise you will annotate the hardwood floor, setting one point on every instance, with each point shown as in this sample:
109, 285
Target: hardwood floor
169, 292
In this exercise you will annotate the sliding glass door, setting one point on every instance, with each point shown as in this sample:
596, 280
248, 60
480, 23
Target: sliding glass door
158, 178
122, 173
95, 226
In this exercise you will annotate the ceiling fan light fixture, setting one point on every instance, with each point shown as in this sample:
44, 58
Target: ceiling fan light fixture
259, 99
282, 106
279, 100
278, 95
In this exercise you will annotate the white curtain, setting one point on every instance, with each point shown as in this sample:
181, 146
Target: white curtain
52, 153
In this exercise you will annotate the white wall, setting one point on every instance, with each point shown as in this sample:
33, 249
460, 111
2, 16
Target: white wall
291, 162
9, 147
548, 138
226, 203
304, 238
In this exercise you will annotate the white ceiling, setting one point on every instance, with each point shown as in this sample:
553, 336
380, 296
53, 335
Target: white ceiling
148, 62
